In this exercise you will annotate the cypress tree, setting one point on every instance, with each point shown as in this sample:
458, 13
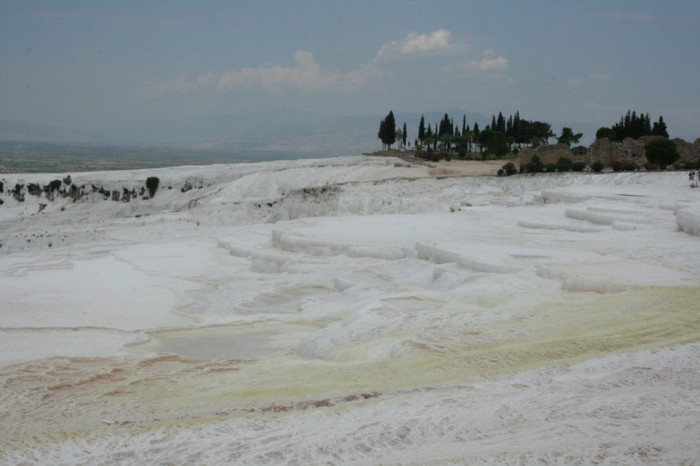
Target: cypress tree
660, 128
421, 129
475, 133
387, 130
445, 126
382, 132
500, 123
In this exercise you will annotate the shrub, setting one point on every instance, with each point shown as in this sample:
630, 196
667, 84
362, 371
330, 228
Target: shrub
34, 189
661, 152
55, 185
2, 187
509, 169
629, 167
651, 167
550, 168
67, 180
535, 165
597, 166
578, 166
564, 164
617, 166
152, 183
17, 192
689, 165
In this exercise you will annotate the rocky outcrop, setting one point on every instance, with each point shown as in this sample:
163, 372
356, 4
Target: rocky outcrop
550, 153
631, 151
605, 151
687, 150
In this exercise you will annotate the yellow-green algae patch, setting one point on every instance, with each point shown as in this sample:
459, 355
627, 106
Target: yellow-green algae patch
560, 333
74, 397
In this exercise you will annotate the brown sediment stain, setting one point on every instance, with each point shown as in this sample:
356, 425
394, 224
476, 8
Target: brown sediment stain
91, 382
273, 408
55, 380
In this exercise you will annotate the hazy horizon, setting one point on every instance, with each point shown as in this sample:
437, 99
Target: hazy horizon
195, 72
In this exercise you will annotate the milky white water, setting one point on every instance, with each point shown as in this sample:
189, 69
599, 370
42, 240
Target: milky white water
352, 310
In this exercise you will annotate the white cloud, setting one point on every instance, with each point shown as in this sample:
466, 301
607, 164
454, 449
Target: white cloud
599, 76
414, 44
489, 63
306, 76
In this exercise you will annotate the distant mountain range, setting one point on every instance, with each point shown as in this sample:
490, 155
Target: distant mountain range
310, 134
19, 130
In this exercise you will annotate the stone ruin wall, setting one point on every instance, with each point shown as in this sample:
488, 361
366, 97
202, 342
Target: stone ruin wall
687, 150
632, 150
549, 153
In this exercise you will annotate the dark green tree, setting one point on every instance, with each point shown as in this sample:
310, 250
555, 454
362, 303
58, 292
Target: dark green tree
475, 133
564, 164
152, 183
661, 152
399, 138
500, 124
604, 132
493, 142
404, 134
387, 130
524, 134
659, 128
421, 129
568, 136
54, 185
635, 126
541, 132
516, 127
535, 165
446, 127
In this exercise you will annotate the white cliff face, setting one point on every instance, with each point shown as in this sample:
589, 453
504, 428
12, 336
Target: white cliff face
351, 310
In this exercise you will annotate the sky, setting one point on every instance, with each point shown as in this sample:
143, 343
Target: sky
162, 71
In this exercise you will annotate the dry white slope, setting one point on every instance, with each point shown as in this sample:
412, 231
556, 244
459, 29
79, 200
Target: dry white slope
351, 310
